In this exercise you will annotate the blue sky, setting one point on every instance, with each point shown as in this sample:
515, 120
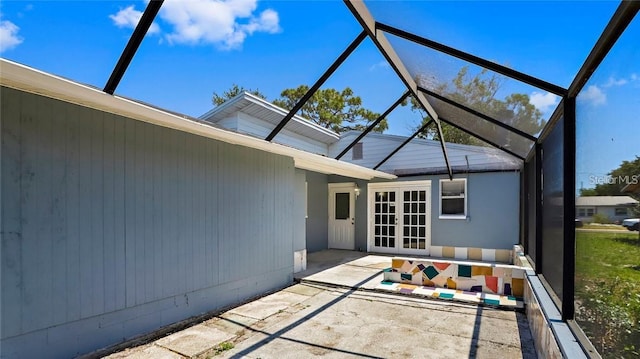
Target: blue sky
198, 47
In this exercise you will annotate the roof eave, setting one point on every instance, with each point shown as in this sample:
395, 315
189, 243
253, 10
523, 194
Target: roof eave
29, 80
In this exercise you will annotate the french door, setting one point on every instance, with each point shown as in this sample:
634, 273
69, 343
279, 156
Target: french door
400, 217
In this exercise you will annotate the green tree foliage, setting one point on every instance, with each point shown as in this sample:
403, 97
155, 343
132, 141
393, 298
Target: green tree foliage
219, 99
479, 93
627, 172
339, 111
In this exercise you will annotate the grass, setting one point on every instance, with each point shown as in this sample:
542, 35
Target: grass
223, 347
602, 226
608, 291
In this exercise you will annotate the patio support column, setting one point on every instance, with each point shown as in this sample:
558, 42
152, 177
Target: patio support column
569, 208
538, 199
317, 85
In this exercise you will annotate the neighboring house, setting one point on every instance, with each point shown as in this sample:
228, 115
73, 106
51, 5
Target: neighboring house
614, 208
420, 213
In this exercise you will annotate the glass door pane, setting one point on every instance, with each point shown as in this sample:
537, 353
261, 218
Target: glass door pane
385, 219
414, 234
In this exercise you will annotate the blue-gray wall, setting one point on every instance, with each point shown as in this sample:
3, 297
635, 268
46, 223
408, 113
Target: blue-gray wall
493, 207
112, 227
317, 211
299, 222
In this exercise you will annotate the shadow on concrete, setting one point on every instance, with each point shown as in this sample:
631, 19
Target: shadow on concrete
526, 338
279, 334
475, 337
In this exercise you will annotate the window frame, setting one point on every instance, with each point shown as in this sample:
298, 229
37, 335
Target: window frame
626, 211
583, 211
465, 196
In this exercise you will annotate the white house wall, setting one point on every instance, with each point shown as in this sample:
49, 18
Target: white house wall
230, 123
113, 227
256, 127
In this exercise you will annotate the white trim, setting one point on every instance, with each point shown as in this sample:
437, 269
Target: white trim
399, 187
465, 197
23, 78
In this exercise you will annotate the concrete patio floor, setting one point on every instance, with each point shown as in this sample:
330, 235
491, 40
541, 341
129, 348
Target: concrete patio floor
326, 315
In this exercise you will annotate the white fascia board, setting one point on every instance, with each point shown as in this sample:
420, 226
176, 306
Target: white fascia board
23, 78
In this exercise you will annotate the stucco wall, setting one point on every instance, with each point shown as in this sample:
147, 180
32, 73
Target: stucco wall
112, 227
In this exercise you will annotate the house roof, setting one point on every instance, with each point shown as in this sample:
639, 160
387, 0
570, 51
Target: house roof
605, 201
423, 156
255, 106
30, 80
633, 187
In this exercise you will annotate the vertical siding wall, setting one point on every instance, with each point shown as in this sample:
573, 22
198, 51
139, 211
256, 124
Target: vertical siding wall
112, 227
317, 212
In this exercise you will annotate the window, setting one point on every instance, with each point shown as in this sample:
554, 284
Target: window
586, 212
453, 199
620, 211
342, 205
356, 152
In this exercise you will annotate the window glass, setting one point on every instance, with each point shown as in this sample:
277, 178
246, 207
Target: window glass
453, 197
342, 205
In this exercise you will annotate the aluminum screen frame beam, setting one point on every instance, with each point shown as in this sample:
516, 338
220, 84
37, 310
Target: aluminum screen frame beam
478, 114
422, 128
469, 132
132, 46
374, 124
623, 16
334, 66
364, 17
514, 74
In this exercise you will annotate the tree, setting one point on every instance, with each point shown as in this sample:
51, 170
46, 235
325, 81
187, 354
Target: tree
339, 111
479, 93
233, 92
616, 180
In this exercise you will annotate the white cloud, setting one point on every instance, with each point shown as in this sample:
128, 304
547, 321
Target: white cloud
216, 22
615, 82
9, 35
129, 18
380, 65
543, 102
594, 95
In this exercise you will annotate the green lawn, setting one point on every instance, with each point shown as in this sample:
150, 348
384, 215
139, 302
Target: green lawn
608, 291
603, 226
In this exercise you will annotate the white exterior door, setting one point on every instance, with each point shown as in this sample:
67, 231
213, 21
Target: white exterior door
342, 217
400, 217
